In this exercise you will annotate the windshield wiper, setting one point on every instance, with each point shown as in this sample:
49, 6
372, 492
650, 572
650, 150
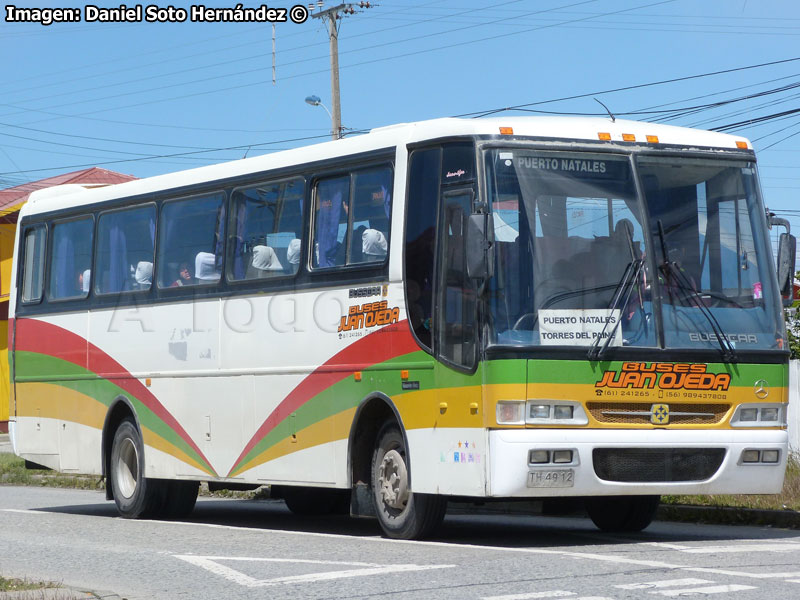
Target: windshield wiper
673, 273
629, 277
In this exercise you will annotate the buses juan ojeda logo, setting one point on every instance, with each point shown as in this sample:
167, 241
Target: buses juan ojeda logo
665, 376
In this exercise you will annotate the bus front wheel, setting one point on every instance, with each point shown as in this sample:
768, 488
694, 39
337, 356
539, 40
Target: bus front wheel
622, 513
401, 513
135, 496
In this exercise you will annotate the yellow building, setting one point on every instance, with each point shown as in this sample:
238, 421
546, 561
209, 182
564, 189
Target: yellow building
11, 200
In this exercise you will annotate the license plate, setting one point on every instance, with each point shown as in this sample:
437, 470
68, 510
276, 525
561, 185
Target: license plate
558, 478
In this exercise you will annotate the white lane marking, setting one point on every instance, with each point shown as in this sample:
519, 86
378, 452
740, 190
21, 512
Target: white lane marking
713, 589
662, 584
25, 511
741, 573
449, 545
776, 547
532, 595
666, 545
359, 538
212, 564
793, 581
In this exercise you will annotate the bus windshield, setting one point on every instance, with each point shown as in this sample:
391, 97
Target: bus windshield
583, 259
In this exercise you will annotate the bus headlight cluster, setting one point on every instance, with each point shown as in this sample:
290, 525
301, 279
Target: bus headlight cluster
761, 456
759, 415
555, 412
556, 457
540, 412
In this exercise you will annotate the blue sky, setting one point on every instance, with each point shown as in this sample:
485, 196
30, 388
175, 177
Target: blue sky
124, 95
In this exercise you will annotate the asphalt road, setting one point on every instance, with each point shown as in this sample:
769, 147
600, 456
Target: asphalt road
257, 549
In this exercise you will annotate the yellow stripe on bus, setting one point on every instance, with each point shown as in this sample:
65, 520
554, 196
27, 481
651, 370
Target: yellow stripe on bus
157, 442
52, 401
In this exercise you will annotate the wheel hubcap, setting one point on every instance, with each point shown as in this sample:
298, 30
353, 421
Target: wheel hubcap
127, 468
393, 479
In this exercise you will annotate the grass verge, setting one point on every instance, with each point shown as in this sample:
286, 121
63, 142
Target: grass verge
787, 499
20, 585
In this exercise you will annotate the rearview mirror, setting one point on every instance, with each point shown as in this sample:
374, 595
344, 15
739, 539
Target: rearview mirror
786, 264
480, 246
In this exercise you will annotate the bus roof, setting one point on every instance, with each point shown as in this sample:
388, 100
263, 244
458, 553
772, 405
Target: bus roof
562, 128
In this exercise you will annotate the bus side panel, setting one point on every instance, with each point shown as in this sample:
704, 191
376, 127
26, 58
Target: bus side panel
164, 361
51, 374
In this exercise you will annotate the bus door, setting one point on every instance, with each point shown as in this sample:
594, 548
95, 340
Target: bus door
456, 340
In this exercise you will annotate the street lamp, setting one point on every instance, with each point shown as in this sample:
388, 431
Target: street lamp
315, 101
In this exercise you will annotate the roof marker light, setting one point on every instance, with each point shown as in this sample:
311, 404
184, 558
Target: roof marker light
506, 131
653, 139
628, 137
604, 136
741, 145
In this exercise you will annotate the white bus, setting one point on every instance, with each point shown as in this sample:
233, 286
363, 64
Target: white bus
513, 308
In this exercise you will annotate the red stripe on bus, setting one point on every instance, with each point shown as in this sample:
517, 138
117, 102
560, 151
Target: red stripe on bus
45, 338
380, 346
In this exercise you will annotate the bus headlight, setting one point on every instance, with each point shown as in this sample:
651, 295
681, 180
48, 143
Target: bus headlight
759, 415
555, 412
769, 413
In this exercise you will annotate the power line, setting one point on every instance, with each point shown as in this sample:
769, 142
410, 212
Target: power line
176, 154
484, 113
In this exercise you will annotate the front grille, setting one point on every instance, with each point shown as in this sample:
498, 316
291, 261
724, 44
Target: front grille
647, 465
613, 412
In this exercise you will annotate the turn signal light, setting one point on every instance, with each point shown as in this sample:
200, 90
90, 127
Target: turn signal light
741, 145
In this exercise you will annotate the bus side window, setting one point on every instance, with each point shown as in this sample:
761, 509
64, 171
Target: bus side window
331, 209
191, 241
126, 239
33, 264
71, 259
372, 205
266, 228
423, 199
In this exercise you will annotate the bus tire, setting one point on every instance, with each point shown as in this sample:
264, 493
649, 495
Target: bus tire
401, 513
180, 499
622, 514
135, 496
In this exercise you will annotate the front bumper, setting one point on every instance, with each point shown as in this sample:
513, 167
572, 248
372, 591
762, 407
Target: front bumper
510, 470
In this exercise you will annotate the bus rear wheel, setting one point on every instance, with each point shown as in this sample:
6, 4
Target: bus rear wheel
402, 514
622, 514
135, 496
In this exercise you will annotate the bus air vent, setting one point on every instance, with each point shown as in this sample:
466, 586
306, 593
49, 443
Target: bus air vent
649, 465
633, 413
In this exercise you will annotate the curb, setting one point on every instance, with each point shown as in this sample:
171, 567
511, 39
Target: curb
58, 593
728, 515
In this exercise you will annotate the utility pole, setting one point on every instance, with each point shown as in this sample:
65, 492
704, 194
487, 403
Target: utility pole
331, 17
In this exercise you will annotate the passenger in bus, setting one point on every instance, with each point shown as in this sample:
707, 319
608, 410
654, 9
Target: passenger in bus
143, 275
293, 255
184, 276
373, 245
205, 268
264, 263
